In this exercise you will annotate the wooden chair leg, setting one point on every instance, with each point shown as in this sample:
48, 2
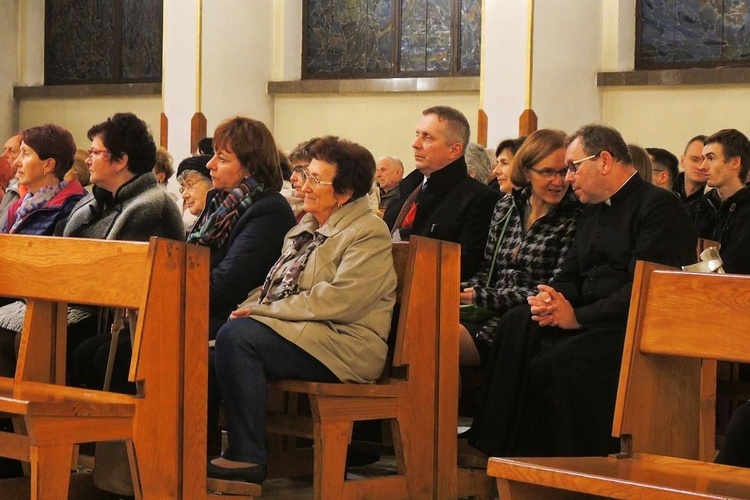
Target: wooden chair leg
331, 441
475, 484
50, 471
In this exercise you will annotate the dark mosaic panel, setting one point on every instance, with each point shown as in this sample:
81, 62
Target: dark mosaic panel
426, 35
694, 32
471, 35
101, 41
349, 36
141, 39
79, 43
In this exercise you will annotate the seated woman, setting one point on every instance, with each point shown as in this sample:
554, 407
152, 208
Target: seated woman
245, 218
504, 154
46, 154
194, 179
323, 312
127, 204
530, 233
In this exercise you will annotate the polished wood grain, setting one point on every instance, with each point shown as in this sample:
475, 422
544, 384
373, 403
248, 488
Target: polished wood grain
164, 424
679, 324
422, 405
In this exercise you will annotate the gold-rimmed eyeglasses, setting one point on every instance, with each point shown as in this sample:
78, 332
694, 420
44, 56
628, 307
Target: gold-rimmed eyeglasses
574, 165
311, 179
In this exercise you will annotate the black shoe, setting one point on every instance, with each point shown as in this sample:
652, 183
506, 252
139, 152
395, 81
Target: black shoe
253, 474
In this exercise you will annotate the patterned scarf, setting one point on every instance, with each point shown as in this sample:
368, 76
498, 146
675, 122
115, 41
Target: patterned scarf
289, 283
33, 201
225, 210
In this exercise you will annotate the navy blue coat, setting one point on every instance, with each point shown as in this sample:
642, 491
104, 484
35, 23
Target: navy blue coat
243, 262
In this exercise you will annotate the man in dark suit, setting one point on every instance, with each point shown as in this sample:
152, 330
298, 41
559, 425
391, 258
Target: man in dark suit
440, 200
551, 379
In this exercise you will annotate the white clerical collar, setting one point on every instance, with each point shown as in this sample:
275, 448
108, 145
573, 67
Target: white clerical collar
608, 201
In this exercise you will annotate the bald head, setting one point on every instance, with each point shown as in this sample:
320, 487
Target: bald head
11, 148
389, 172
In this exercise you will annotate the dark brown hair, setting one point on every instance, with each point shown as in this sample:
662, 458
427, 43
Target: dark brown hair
252, 143
52, 141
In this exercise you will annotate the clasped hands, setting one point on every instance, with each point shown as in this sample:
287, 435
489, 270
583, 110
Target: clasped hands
550, 308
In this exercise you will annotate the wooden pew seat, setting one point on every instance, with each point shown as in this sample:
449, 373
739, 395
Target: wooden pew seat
678, 323
163, 426
417, 394
641, 476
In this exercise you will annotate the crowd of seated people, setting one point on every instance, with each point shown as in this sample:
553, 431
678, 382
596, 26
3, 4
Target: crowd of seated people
548, 252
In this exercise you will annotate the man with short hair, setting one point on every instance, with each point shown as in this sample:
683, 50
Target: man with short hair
665, 168
552, 376
11, 149
723, 213
388, 173
442, 201
690, 183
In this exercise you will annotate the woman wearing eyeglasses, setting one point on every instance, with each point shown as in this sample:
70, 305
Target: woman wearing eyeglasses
194, 179
530, 233
324, 311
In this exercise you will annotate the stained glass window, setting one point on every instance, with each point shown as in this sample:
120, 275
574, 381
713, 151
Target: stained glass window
103, 41
387, 38
692, 33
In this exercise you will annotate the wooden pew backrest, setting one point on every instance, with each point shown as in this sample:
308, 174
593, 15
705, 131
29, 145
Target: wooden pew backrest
167, 282
676, 319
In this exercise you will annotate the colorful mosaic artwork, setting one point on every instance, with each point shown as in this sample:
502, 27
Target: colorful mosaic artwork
694, 33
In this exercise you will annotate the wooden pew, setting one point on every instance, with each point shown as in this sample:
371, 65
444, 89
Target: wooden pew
164, 424
418, 394
676, 319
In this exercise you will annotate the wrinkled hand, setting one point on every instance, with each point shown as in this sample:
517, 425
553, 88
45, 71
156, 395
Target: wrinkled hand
241, 312
467, 296
550, 308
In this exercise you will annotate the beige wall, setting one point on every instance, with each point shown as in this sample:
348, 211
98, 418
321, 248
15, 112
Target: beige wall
78, 115
383, 123
668, 117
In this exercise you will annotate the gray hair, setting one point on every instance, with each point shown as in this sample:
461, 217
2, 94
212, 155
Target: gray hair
478, 162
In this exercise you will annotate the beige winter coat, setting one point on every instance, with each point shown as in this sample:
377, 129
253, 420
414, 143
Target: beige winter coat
342, 313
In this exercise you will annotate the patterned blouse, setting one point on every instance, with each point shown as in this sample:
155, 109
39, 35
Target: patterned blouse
525, 258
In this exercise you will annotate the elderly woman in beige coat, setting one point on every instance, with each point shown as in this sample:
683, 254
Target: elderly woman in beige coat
323, 313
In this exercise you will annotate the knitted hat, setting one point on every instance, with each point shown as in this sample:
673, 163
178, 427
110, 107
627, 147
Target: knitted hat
197, 163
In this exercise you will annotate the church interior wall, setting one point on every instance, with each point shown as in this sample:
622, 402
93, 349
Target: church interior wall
384, 123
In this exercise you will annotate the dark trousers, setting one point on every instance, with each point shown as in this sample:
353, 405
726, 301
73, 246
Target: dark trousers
736, 448
247, 356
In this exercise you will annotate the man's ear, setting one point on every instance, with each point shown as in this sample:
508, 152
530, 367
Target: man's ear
607, 161
456, 149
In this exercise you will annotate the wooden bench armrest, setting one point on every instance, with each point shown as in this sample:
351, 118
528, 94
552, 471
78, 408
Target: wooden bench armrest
34, 398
